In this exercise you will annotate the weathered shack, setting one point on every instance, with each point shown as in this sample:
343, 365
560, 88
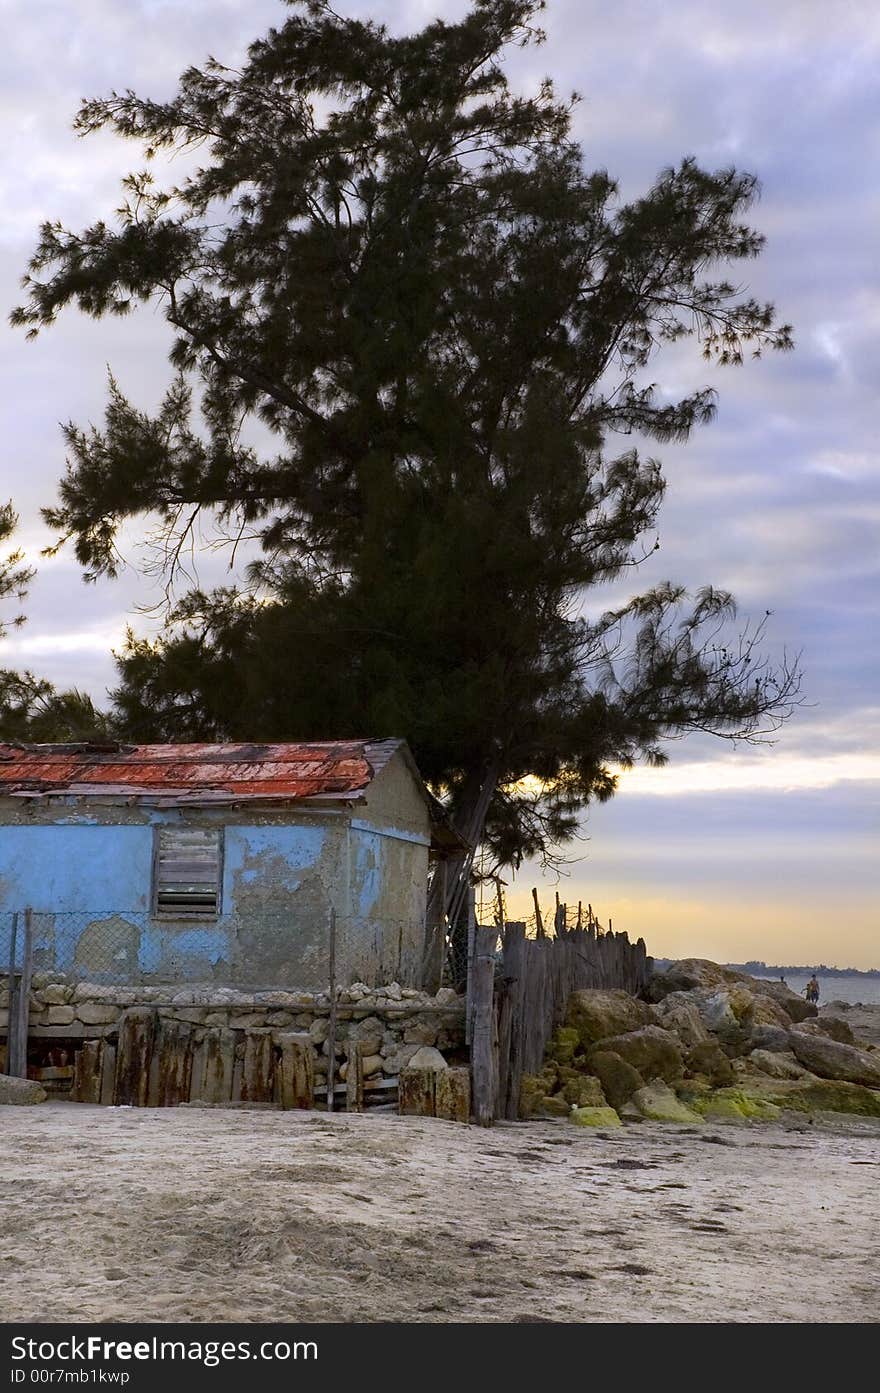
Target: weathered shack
182, 863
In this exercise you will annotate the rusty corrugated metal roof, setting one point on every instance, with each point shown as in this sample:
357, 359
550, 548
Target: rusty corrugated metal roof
311, 769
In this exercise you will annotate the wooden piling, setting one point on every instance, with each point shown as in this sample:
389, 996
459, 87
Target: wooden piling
87, 1072
331, 1030
294, 1070
452, 1095
416, 1092
483, 1059
354, 1077
137, 1033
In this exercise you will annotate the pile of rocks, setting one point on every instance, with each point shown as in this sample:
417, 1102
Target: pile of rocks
710, 1043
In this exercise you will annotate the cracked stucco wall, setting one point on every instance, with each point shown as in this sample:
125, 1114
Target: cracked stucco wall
86, 871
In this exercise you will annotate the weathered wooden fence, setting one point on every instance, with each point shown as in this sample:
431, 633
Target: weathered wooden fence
517, 999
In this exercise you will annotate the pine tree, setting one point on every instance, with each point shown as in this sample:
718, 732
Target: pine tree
402, 270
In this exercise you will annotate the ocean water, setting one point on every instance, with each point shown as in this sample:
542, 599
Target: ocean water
852, 989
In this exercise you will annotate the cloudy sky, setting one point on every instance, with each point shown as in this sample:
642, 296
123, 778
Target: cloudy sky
728, 853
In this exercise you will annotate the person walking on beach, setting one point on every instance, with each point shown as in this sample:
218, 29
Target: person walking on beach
811, 990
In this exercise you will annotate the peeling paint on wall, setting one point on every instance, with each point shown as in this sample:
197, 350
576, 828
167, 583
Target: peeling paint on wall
87, 873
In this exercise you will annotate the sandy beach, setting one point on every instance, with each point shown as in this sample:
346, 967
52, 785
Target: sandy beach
195, 1214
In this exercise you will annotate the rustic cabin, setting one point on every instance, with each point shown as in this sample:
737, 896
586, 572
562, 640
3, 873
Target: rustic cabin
219, 863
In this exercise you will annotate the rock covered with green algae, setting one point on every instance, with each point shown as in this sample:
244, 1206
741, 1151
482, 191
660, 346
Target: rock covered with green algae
597, 1014
826, 1095
555, 1106
564, 1042
654, 1052
584, 1091
709, 1058
594, 1117
656, 1102
533, 1089
618, 1078
735, 1105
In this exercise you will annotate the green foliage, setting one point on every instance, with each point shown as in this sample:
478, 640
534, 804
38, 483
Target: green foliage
401, 271
30, 708
14, 575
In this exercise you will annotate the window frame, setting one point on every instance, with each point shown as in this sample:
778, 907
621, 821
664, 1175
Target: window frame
202, 913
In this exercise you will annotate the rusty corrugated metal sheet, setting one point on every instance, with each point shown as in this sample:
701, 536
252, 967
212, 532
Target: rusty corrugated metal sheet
249, 771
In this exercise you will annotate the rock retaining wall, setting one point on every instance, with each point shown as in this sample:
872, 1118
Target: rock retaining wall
155, 1046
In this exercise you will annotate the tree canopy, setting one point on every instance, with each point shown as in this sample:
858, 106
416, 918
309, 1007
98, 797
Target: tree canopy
30, 707
412, 354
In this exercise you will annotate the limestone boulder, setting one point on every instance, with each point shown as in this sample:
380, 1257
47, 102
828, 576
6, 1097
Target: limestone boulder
554, 1106
827, 1095
724, 1014
830, 1059
619, 1080
59, 1015
735, 1105
708, 1058
21, 1091
654, 1052
767, 1011
794, 1006
690, 974
594, 1117
679, 1013
582, 1091
563, 1043
55, 994
831, 1026
779, 1065
427, 1058
596, 1014
769, 1037
657, 1103
97, 1013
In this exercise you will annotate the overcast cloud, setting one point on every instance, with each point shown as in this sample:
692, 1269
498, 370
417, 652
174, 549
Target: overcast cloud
770, 854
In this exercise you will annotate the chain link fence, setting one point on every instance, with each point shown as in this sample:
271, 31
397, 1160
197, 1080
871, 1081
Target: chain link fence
121, 947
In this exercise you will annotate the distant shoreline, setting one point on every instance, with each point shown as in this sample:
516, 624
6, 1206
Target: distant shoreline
760, 969
757, 969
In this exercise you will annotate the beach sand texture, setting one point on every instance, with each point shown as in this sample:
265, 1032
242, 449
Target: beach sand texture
194, 1214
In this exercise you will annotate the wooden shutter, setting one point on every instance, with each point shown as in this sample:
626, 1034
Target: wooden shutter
187, 871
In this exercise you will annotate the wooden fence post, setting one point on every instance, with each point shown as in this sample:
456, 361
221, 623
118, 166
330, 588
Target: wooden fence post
10, 1029
17, 1036
510, 1020
471, 940
331, 1031
484, 1072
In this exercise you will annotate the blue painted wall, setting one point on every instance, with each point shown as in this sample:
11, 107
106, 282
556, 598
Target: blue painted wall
75, 867
89, 883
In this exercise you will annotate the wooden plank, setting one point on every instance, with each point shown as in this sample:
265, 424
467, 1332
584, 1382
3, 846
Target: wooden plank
213, 1067
258, 1067
354, 1077
137, 1033
452, 1095
472, 928
484, 1081
416, 1092
87, 1064
171, 1065
510, 1020
295, 1071
108, 1072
